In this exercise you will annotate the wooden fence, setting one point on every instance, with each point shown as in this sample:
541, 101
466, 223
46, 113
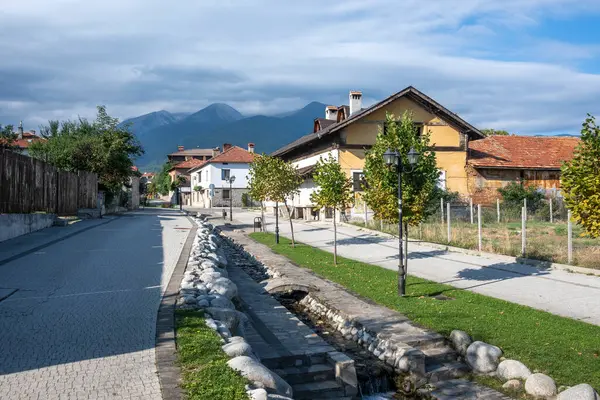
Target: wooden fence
29, 185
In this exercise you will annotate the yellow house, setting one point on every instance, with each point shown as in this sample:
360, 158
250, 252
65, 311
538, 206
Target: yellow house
347, 132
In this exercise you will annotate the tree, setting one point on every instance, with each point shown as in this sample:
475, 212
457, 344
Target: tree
335, 191
100, 146
418, 183
284, 184
494, 132
514, 194
258, 181
162, 180
8, 138
580, 179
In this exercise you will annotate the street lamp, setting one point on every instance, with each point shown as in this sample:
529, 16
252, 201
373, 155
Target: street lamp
393, 159
230, 180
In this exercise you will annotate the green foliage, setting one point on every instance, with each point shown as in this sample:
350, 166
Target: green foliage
203, 362
418, 186
494, 132
178, 182
570, 357
245, 200
580, 179
197, 188
259, 176
514, 193
162, 180
100, 146
8, 138
335, 189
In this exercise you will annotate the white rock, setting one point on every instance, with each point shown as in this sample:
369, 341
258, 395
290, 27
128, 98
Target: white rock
238, 348
513, 384
210, 277
211, 323
224, 287
232, 319
203, 303
512, 369
258, 394
482, 357
187, 285
540, 385
579, 392
460, 341
209, 264
256, 372
222, 302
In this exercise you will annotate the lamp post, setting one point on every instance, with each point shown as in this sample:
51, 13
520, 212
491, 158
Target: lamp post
393, 159
230, 180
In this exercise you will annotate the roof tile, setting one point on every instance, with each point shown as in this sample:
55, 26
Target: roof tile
534, 152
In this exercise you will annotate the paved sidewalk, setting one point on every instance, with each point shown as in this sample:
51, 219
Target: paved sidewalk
559, 292
82, 322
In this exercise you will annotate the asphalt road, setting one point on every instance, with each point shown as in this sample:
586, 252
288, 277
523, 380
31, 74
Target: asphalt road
78, 317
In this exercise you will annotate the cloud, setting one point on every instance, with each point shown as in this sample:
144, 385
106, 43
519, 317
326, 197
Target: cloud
480, 58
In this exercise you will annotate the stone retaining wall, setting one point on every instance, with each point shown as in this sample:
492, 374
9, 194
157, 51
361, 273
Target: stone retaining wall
13, 225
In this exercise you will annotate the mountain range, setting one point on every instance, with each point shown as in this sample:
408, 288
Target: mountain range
160, 132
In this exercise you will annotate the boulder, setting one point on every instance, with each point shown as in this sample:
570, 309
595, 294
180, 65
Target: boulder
483, 358
256, 372
224, 287
239, 348
187, 285
512, 369
579, 392
460, 341
209, 277
222, 302
232, 319
203, 303
188, 299
513, 384
209, 264
258, 394
540, 385
211, 324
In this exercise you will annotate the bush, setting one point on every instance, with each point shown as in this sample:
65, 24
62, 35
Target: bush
245, 200
514, 193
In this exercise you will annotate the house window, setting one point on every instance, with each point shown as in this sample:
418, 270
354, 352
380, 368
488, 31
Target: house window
200, 177
357, 181
225, 174
226, 194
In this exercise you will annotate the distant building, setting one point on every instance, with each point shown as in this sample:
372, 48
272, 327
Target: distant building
191, 154
26, 139
233, 161
182, 169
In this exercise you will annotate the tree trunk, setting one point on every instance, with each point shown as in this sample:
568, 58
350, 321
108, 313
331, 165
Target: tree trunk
262, 215
291, 223
334, 239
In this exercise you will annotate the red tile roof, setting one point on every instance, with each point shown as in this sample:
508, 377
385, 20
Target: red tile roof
532, 152
28, 139
187, 164
234, 154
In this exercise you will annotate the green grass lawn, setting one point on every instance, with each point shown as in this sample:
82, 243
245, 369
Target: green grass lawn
565, 349
205, 373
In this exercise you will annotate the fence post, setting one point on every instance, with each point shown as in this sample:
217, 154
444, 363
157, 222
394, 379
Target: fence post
569, 238
498, 209
479, 225
551, 217
442, 209
525, 203
420, 230
366, 215
471, 208
523, 230
448, 223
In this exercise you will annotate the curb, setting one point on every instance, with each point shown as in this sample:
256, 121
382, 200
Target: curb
165, 348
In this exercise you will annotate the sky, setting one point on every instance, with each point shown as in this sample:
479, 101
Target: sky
526, 66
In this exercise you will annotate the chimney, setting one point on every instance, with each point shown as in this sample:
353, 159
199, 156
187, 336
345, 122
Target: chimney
250, 147
226, 146
180, 148
20, 130
331, 113
33, 132
355, 102
215, 151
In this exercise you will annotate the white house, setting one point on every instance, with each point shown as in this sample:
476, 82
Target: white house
232, 162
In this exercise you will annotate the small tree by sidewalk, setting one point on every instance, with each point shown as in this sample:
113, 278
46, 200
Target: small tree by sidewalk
335, 191
580, 180
284, 183
258, 182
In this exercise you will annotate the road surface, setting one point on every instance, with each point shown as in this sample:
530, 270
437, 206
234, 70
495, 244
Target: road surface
78, 317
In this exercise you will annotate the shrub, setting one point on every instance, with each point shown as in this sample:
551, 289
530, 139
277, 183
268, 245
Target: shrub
514, 193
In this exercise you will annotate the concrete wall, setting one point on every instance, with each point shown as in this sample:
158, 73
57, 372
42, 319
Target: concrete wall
13, 225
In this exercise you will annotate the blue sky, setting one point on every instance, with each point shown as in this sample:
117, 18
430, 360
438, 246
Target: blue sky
529, 66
